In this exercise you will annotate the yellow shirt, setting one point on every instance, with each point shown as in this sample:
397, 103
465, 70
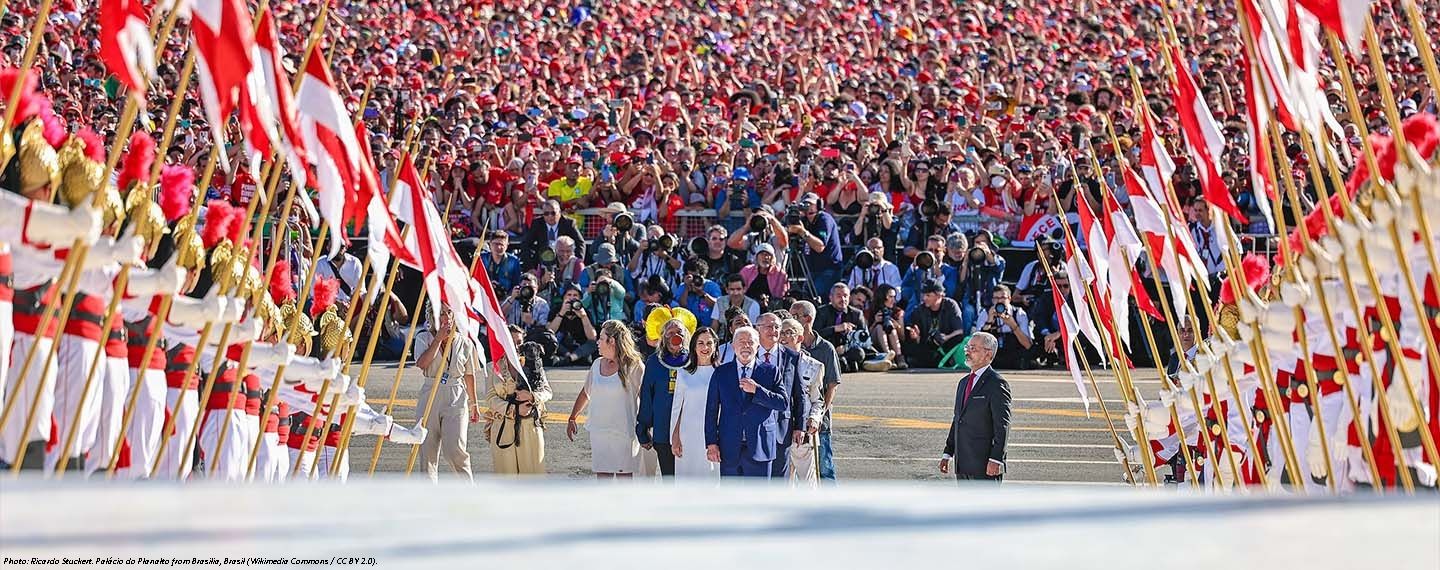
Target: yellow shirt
564, 192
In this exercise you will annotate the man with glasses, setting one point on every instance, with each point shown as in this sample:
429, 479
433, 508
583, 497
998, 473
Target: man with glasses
975, 446
546, 230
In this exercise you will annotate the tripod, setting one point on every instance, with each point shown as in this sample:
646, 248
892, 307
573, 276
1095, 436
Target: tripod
797, 271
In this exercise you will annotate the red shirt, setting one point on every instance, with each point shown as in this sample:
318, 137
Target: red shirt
493, 190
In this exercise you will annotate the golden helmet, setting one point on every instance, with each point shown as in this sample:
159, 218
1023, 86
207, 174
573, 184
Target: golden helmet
146, 218
189, 249
39, 163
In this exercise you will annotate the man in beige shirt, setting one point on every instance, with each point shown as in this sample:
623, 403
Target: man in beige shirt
454, 378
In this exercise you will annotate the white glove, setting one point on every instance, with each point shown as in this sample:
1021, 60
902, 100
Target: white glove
150, 282
340, 384
1381, 213
377, 424
1250, 308
1247, 332
1157, 420
1293, 293
1350, 235
269, 355
310, 371
1203, 362
1132, 417
1188, 380
234, 310
245, 331
1167, 398
1308, 271
1425, 474
50, 224
414, 435
354, 396
125, 250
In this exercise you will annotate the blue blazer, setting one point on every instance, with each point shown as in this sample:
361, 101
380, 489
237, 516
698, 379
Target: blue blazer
787, 369
652, 423
731, 415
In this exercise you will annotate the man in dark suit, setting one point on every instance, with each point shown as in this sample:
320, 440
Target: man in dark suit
976, 444
787, 370
742, 412
835, 321
547, 228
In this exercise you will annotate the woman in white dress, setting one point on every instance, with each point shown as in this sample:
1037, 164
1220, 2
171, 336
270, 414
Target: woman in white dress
613, 386
687, 413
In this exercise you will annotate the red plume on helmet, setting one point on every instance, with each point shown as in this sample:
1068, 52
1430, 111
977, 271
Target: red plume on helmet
1421, 131
323, 296
281, 288
55, 133
236, 231
30, 102
138, 160
218, 218
1257, 272
94, 146
177, 187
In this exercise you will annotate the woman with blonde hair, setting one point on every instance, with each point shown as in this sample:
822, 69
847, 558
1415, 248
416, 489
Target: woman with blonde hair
613, 387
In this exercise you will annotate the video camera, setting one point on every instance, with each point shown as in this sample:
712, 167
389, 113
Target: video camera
794, 214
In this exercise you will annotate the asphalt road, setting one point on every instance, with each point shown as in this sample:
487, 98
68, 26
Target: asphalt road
887, 426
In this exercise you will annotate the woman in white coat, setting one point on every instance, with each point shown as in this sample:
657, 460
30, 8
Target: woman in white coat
687, 413
613, 387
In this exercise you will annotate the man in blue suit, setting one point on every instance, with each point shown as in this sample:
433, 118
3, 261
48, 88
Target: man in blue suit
787, 370
742, 413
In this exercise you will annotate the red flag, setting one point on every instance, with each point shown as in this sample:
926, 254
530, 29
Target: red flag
329, 136
1066, 320
125, 44
382, 233
1344, 17
1202, 136
501, 343
274, 88
224, 42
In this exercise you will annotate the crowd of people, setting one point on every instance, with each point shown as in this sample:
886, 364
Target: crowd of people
885, 146
866, 168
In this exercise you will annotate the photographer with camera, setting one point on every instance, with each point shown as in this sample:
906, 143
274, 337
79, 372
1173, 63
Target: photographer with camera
574, 331
932, 219
871, 269
1012, 326
618, 231
739, 195
655, 258
839, 323
761, 228
925, 270
502, 266
1032, 287
933, 328
817, 230
525, 307
566, 268
876, 221
888, 320
697, 294
605, 298
654, 293
979, 275
545, 232
764, 281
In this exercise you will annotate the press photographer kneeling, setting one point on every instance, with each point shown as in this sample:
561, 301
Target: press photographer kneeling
574, 334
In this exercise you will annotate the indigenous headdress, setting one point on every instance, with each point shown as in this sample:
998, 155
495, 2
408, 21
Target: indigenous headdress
655, 326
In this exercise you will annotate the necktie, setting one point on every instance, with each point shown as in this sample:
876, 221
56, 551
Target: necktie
767, 358
744, 371
969, 385
552, 232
